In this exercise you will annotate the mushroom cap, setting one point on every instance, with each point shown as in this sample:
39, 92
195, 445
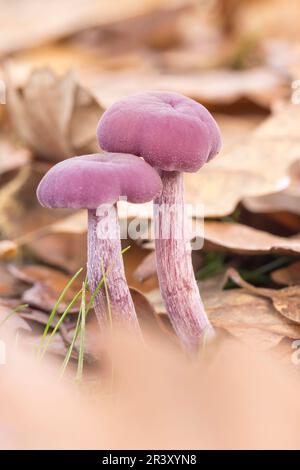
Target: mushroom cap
169, 130
90, 180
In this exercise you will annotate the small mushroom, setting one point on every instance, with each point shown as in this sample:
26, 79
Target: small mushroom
174, 134
96, 182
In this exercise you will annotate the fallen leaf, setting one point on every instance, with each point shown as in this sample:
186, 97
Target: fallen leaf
55, 116
237, 308
67, 251
240, 238
158, 29
277, 202
286, 301
147, 268
9, 285
287, 200
219, 88
260, 340
76, 223
144, 310
244, 170
250, 318
52, 20
42, 319
12, 157
288, 276
11, 321
150, 321
57, 346
20, 211
48, 284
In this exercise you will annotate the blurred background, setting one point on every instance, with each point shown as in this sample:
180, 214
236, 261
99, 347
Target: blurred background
62, 63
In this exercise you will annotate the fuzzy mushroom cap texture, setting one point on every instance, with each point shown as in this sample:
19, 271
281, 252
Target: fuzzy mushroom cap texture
169, 130
87, 181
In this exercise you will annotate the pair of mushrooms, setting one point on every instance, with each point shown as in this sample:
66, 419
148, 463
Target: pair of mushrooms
172, 134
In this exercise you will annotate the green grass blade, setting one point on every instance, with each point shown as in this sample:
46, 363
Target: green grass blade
61, 297
82, 337
80, 320
13, 312
71, 347
92, 300
106, 294
57, 326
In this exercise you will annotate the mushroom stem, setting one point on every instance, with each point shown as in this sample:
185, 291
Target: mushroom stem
174, 263
105, 253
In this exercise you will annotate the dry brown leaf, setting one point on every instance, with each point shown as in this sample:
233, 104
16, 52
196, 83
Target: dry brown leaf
145, 311
214, 88
9, 285
57, 346
250, 318
258, 166
287, 200
150, 321
54, 116
11, 156
236, 127
146, 269
54, 19
42, 319
288, 276
10, 322
286, 301
243, 239
260, 340
158, 29
65, 250
48, 284
76, 223
236, 308
20, 211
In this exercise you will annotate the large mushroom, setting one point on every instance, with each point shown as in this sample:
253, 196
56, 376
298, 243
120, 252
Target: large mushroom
174, 134
96, 182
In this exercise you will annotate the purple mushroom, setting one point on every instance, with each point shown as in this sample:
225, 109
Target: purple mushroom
174, 134
96, 182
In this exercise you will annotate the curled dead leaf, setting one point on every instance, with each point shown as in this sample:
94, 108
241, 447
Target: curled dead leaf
288, 276
55, 116
286, 301
243, 239
10, 321
237, 308
47, 285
